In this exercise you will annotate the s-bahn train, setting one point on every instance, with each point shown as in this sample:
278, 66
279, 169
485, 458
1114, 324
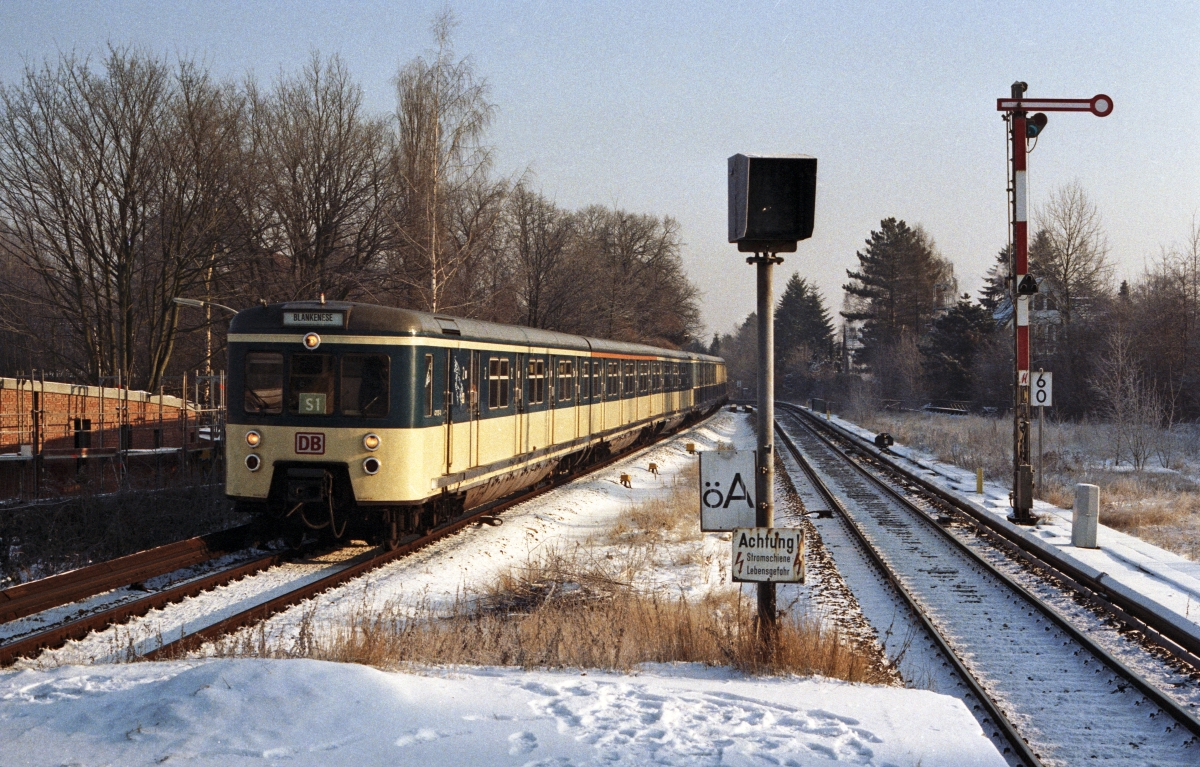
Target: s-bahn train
374, 422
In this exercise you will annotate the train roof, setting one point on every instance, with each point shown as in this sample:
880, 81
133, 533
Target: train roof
371, 319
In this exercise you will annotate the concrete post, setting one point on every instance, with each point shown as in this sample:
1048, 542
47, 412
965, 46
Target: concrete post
1086, 519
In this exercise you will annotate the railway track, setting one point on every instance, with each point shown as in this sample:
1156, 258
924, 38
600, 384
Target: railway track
101, 578
1034, 679
57, 590
359, 567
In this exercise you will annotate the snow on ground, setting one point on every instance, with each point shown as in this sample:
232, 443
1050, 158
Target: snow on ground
573, 516
255, 711
1165, 578
252, 712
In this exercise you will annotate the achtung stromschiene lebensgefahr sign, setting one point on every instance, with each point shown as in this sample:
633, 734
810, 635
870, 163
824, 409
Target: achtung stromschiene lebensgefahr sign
727, 490
768, 555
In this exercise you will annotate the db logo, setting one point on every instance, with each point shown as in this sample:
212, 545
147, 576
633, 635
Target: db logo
310, 443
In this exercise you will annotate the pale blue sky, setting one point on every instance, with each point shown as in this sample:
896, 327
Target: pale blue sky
639, 106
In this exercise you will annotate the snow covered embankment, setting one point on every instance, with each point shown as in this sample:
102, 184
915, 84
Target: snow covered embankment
242, 712
253, 711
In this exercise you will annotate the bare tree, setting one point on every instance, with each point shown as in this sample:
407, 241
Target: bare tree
538, 238
441, 169
631, 281
112, 188
197, 226
1075, 260
322, 170
1128, 400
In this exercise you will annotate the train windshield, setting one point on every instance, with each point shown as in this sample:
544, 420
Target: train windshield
310, 384
264, 382
365, 385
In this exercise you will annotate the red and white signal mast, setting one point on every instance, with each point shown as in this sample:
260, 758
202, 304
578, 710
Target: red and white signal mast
1023, 127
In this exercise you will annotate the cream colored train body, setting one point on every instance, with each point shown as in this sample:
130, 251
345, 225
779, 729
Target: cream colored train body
353, 418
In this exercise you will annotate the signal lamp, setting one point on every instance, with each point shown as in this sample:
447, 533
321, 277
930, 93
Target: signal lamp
253, 462
253, 438
1035, 124
371, 465
371, 441
1027, 286
312, 341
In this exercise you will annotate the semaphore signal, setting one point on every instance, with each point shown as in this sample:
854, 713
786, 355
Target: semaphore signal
1023, 127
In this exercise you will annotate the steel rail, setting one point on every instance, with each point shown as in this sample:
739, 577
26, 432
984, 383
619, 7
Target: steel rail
1017, 746
1173, 638
1164, 702
57, 590
264, 610
56, 636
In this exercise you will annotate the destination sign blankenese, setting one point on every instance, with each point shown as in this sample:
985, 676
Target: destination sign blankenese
309, 319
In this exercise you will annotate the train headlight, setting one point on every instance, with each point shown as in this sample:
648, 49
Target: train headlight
371, 465
312, 341
253, 462
253, 438
371, 442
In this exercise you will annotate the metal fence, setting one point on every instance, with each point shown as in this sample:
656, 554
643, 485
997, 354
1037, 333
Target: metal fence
61, 439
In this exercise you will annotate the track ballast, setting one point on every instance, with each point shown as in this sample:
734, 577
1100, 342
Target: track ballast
1068, 699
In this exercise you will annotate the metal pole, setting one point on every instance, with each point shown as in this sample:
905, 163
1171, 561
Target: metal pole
1041, 478
765, 514
1022, 496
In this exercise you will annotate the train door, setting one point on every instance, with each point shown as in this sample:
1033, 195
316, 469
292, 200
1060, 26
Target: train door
581, 382
551, 399
522, 418
464, 415
448, 404
474, 431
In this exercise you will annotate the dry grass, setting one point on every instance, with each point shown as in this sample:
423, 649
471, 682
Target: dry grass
593, 607
559, 612
1161, 506
669, 517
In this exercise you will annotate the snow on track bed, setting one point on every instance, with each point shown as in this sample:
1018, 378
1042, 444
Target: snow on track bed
55, 616
146, 633
853, 596
1063, 699
564, 519
1177, 680
259, 711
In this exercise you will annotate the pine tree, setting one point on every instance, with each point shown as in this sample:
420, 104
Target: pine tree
995, 282
899, 284
948, 352
803, 329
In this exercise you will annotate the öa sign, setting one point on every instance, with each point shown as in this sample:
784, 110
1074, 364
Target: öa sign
768, 555
727, 489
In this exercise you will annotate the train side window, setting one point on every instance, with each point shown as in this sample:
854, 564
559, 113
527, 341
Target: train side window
428, 385
311, 380
365, 384
596, 380
537, 381
498, 380
565, 381
264, 382
630, 378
